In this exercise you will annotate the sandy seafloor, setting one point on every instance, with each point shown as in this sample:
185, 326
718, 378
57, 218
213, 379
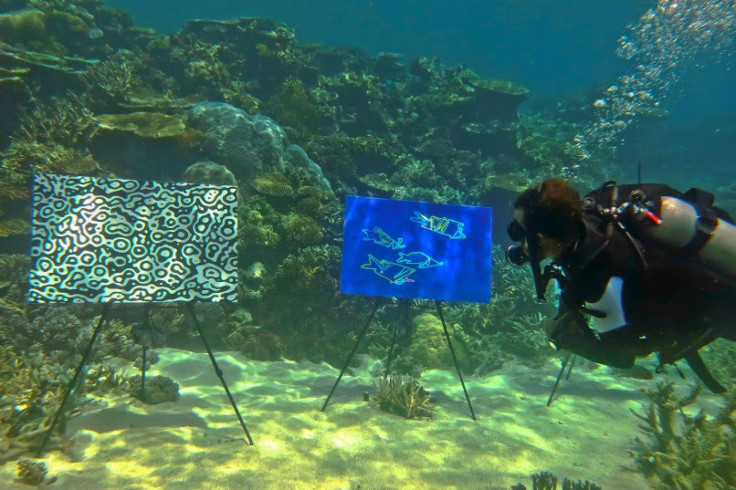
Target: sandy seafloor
196, 442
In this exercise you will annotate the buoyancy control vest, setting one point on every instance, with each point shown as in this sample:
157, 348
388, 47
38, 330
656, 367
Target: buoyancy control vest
676, 255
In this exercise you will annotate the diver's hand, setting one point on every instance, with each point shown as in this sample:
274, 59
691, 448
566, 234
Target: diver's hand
569, 321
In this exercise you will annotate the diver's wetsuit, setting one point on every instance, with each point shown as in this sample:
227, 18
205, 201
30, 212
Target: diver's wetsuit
672, 305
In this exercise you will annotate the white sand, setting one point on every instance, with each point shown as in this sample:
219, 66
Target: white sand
198, 443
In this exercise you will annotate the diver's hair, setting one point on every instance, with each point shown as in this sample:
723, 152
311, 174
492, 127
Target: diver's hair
552, 209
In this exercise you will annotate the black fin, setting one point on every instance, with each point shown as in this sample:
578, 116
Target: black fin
698, 366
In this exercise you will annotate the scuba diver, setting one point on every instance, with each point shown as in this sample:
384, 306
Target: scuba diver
654, 268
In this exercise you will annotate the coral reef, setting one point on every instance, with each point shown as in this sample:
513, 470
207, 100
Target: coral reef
159, 389
686, 452
209, 172
402, 395
143, 124
297, 127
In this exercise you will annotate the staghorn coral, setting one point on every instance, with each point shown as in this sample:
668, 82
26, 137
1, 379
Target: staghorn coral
689, 452
31, 389
34, 473
51, 138
402, 395
66, 121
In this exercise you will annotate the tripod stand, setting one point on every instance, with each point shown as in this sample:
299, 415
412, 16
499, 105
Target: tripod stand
85, 356
403, 305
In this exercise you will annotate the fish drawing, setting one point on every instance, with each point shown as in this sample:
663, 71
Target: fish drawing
420, 260
391, 271
380, 237
444, 226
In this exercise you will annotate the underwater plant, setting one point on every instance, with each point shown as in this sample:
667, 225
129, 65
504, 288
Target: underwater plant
545, 480
402, 395
686, 452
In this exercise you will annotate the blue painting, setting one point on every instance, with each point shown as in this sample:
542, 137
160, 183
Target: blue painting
418, 250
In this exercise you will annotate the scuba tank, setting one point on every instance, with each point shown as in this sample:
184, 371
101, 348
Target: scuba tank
689, 228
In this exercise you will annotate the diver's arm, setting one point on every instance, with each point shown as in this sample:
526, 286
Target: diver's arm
569, 330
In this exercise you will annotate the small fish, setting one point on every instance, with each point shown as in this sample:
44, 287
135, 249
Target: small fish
419, 260
444, 226
394, 273
380, 237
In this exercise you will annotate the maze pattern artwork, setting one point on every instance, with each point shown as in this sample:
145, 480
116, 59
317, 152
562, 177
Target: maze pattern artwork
116, 240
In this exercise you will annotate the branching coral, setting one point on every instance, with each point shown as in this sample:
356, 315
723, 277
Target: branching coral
31, 389
32, 472
402, 395
302, 230
51, 138
293, 107
66, 122
547, 481
688, 452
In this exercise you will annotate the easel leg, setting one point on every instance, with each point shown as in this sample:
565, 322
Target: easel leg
454, 358
145, 350
391, 352
570, 358
143, 375
73, 382
219, 373
402, 316
352, 352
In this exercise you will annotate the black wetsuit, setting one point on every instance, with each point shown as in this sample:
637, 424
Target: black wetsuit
672, 305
